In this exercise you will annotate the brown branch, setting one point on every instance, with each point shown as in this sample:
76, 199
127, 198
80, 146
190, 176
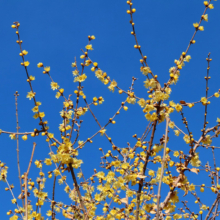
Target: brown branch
186, 164
18, 160
162, 170
52, 205
213, 205
191, 42
26, 195
32, 154
144, 169
206, 95
78, 190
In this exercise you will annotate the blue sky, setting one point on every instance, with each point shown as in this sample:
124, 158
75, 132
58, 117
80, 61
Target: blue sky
55, 32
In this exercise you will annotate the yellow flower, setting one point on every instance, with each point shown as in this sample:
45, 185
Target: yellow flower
101, 100
54, 85
93, 69
38, 164
26, 63
151, 173
204, 100
207, 140
36, 116
48, 161
125, 108
75, 73
89, 47
187, 58
112, 86
130, 100
195, 160
24, 137
172, 104
31, 78
56, 172
178, 107
171, 163
58, 94
211, 6
40, 65
24, 52
201, 28
153, 117
13, 201
171, 124
13, 26
176, 153
202, 189
14, 217
177, 132
30, 95
177, 216
49, 213
47, 69
186, 138
174, 197
196, 25
35, 109
145, 70
102, 131
41, 114
205, 17
12, 136
142, 103
93, 37
80, 78
218, 120
216, 94
204, 207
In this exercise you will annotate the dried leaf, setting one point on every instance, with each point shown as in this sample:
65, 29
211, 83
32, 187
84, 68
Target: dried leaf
194, 170
167, 211
21, 196
153, 212
186, 192
141, 176
124, 200
69, 216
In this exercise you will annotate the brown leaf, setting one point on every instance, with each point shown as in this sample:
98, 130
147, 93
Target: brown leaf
194, 170
21, 196
167, 211
141, 176
69, 216
182, 102
153, 212
124, 200
186, 192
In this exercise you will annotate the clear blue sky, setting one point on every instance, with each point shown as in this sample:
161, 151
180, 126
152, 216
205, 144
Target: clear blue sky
54, 32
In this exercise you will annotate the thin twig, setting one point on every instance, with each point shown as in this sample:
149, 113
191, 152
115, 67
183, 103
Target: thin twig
32, 154
26, 195
17, 139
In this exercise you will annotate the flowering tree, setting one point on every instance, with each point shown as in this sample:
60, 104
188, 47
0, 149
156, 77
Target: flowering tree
144, 180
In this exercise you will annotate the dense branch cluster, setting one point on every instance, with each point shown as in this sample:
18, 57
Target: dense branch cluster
129, 182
